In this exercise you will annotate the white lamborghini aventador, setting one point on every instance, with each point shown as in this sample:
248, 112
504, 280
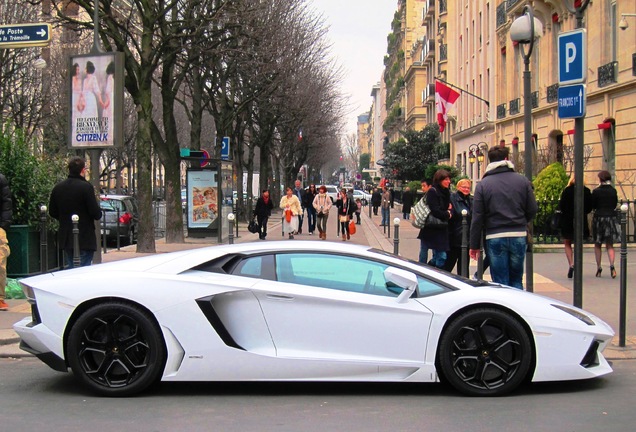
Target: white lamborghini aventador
301, 311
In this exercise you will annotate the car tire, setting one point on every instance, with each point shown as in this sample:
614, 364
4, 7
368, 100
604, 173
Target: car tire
485, 352
116, 349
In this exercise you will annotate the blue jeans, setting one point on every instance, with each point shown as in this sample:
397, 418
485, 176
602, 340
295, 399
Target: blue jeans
506, 257
85, 256
386, 215
439, 258
311, 219
423, 252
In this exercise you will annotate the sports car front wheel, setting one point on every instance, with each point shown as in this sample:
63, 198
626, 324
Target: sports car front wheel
485, 352
116, 349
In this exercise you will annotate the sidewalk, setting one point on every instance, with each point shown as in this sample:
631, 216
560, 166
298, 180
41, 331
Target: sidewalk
600, 295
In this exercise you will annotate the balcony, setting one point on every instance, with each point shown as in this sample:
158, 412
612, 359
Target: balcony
607, 74
428, 94
553, 93
501, 111
443, 8
514, 106
428, 51
511, 4
443, 52
427, 10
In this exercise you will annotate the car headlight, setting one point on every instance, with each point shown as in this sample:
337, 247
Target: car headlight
576, 314
28, 292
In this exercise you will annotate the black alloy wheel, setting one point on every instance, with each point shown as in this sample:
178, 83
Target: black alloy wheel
485, 352
116, 349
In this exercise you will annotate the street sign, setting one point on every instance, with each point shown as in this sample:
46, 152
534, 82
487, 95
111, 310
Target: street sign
205, 161
572, 57
25, 35
225, 148
571, 101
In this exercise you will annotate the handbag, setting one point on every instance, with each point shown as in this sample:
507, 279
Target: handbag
344, 218
352, 228
288, 215
419, 213
435, 223
555, 220
252, 226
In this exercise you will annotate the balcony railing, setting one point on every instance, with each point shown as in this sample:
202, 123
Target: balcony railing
607, 74
553, 93
443, 52
535, 99
501, 14
501, 111
514, 106
511, 3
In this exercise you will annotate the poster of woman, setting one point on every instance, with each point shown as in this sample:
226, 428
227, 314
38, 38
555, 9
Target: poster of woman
96, 93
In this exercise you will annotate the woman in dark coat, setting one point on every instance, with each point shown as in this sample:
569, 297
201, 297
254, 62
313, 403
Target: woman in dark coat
605, 227
263, 211
407, 203
346, 208
460, 200
438, 200
566, 205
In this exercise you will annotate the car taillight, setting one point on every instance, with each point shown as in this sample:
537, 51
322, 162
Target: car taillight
125, 218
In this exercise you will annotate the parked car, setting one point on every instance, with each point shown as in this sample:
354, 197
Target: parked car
256, 312
364, 197
122, 208
332, 192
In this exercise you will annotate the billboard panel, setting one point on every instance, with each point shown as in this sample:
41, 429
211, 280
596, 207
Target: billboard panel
96, 100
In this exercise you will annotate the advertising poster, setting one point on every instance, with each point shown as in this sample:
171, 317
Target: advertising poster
96, 95
202, 194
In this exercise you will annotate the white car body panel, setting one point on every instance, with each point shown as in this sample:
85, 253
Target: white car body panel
285, 331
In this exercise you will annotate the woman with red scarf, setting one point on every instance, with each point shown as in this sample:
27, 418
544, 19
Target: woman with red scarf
263, 211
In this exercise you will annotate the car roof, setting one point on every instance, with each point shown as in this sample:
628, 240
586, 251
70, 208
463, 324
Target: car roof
119, 197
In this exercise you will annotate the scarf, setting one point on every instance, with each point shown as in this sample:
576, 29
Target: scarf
493, 165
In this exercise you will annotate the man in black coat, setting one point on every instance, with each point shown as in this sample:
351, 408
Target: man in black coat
376, 200
6, 213
76, 196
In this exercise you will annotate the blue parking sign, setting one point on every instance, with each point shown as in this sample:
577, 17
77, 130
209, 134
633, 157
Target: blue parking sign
225, 148
572, 57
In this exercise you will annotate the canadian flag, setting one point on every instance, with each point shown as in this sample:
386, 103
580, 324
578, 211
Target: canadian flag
445, 98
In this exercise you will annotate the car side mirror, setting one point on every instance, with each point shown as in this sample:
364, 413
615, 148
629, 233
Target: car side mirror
403, 279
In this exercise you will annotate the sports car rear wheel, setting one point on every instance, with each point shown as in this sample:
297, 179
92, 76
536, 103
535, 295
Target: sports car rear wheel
116, 349
485, 352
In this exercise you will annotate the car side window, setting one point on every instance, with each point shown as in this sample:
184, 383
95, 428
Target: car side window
261, 267
427, 287
339, 272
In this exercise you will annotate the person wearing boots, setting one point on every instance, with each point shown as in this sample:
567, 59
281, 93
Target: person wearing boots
346, 208
322, 204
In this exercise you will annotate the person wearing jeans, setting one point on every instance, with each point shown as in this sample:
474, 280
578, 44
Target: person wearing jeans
503, 205
386, 206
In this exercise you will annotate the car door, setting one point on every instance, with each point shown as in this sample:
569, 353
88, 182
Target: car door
326, 306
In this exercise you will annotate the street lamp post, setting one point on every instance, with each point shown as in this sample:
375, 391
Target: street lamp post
477, 152
525, 30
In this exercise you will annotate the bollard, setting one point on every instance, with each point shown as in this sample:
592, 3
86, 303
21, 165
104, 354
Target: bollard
464, 258
76, 249
44, 258
230, 219
396, 237
623, 281
117, 234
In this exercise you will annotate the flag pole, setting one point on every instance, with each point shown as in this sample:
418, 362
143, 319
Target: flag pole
465, 91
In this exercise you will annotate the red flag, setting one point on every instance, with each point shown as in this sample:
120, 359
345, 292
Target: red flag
445, 98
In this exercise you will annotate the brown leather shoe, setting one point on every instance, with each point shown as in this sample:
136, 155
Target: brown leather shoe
344, 237
348, 236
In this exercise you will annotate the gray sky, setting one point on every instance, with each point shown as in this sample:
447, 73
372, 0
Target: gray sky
358, 31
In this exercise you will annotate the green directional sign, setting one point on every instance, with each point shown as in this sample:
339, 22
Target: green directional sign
25, 35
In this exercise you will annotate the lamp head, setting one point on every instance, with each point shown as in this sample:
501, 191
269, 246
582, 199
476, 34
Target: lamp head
520, 29
622, 24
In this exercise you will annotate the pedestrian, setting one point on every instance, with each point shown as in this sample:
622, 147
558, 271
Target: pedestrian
300, 194
386, 206
460, 200
407, 203
605, 225
566, 225
322, 204
358, 210
290, 204
346, 208
376, 200
310, 194
503, 206
76, 196
6, 214
423, 257
262, 211
435, 237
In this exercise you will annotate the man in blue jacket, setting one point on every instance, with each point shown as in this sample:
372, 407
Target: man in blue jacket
503, 205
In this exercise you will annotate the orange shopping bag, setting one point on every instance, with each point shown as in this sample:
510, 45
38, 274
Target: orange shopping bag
352, 227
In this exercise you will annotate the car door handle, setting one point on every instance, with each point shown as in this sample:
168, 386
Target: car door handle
279, 297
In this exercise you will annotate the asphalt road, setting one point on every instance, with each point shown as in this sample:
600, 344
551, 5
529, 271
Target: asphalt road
34, 397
